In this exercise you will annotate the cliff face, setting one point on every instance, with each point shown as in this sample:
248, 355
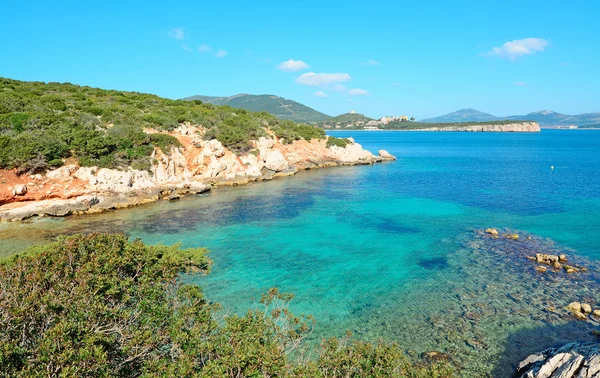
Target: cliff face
190, 169
520, 127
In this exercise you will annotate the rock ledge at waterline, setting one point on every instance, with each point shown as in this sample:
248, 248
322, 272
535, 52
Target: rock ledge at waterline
191, 169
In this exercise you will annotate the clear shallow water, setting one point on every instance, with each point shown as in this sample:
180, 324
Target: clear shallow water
383, 250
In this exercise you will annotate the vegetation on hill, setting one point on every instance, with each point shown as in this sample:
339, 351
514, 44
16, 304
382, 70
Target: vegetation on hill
463, 115
43, 124
344, 120
278, 106
339, 142
101, 306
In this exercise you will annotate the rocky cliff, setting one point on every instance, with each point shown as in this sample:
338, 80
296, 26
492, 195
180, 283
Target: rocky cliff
569, 361
522, 127
190, 169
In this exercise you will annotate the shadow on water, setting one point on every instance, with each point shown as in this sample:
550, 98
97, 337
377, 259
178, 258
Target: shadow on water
528, 341
242, 210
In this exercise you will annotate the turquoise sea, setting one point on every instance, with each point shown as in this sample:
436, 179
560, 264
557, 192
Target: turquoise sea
389, 250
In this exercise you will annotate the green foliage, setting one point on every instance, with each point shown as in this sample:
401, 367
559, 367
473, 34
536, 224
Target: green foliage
339, 142
46, 123
99, 305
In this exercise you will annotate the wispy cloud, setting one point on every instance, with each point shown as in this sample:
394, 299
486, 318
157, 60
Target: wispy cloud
370, 62
519, 47
186, 47
204, 48
320, 94
520, 83
358, 92
322, 79
292, 65
177, 33
221, 53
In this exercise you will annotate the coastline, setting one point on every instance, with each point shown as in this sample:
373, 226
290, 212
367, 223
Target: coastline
194, 168
519, 127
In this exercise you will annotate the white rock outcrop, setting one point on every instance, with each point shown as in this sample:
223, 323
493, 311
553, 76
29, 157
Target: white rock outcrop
569, 361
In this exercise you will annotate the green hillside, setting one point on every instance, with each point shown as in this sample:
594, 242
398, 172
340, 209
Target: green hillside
345, 120
43, 124
275, 105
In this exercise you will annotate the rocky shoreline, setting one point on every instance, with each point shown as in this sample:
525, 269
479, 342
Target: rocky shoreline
191, 169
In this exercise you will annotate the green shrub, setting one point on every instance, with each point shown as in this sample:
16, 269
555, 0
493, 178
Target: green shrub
339, 142
102, 306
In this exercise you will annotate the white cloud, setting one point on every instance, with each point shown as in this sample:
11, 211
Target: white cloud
358, 92
321, 79
221, 53
205, 48
370, 62
520, 83
514, 49
292, 65
177, 33
320, 94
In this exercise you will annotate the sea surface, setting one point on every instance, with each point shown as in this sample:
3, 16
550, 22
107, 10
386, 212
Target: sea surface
390, 251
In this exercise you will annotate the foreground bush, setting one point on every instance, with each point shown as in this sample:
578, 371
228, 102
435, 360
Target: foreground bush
100, 306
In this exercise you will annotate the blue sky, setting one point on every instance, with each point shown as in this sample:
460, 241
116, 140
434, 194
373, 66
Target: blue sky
419, 58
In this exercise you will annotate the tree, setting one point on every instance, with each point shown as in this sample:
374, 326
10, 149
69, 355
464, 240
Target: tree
412, 119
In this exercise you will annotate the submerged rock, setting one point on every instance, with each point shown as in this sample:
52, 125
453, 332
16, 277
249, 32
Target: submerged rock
571, 360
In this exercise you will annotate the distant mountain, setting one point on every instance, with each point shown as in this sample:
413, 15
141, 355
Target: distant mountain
543, 118
278, 106
550, 118
463, 115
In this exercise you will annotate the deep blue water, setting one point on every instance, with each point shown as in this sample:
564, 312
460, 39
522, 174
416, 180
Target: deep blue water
380, 250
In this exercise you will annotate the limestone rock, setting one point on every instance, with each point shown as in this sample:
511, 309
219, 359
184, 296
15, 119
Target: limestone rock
275, 161
491, 231
384, 154
586, 308
569, 361
20, 190
574, 306
541, 269
63, 172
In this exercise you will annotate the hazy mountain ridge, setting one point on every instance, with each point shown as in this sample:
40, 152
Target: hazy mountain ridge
542, 117
278, 106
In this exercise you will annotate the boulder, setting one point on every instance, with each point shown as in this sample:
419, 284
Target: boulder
275, 161
541, 269
385, 154
491, 231
572, 360
20, 190
265, 143
574, 306
586, 308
